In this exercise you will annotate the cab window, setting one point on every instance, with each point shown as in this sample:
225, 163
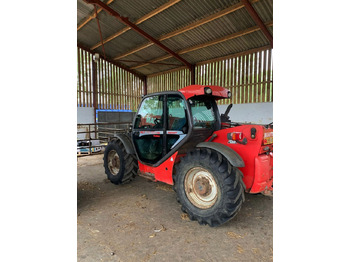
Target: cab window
176, 113
150, 114
202, 112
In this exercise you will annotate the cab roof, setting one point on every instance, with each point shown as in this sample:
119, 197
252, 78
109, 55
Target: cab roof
198, 90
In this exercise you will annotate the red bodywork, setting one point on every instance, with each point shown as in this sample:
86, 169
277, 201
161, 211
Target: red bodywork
257, 153
258, 170
163, 172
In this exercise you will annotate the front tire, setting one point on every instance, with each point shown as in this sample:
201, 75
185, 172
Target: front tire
209, 189
120, 167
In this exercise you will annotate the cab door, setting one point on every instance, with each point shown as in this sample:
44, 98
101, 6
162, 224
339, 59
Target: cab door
160, 125
149, 129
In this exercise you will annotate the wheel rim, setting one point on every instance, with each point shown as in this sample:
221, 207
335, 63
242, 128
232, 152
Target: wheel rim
201, 188
113, 162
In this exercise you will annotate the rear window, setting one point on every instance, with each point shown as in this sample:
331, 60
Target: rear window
202, 113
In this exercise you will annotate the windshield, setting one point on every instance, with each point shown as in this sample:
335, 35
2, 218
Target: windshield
202, 112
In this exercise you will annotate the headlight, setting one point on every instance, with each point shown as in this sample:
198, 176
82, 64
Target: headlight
207, 90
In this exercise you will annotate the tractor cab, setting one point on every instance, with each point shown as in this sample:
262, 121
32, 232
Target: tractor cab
170, 122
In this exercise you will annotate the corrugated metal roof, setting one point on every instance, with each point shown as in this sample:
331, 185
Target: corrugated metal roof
122, 43
177, 16
218, 28
264, 9
181, 14
244, 43
84, 10
135, 9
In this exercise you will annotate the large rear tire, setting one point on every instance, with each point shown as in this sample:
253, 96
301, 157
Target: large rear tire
209, 189
120, 166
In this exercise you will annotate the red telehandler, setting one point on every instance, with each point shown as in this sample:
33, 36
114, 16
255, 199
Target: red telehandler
179, 138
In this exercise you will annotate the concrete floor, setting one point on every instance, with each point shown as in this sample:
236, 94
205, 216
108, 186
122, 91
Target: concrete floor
142, 221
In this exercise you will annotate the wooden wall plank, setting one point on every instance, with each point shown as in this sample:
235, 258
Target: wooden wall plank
122, 90
261, 67
119, 89
234, 91
230, 78
255, 74
79, 84
108, 80
113, 86
268, 96
83, 76
257, 79
246, 79
108, 85
250, 86
219, 73
130, 92
125, 91
116, 77
86, 80
239, 78
90, 80
105, 87
197, 75
100, 91
263, 90
104, 84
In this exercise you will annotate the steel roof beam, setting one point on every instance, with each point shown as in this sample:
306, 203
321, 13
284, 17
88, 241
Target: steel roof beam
138, 30
139, 21
258, 21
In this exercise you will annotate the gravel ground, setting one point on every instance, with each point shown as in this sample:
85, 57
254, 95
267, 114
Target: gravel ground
142, 221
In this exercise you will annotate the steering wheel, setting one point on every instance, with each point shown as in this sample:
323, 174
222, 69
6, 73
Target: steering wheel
157, 123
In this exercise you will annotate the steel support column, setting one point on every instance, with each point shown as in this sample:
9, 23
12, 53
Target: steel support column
193, 76
145, 85
94, 90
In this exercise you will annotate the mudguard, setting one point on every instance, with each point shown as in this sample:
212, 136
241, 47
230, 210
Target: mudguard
126, 142
232, 156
